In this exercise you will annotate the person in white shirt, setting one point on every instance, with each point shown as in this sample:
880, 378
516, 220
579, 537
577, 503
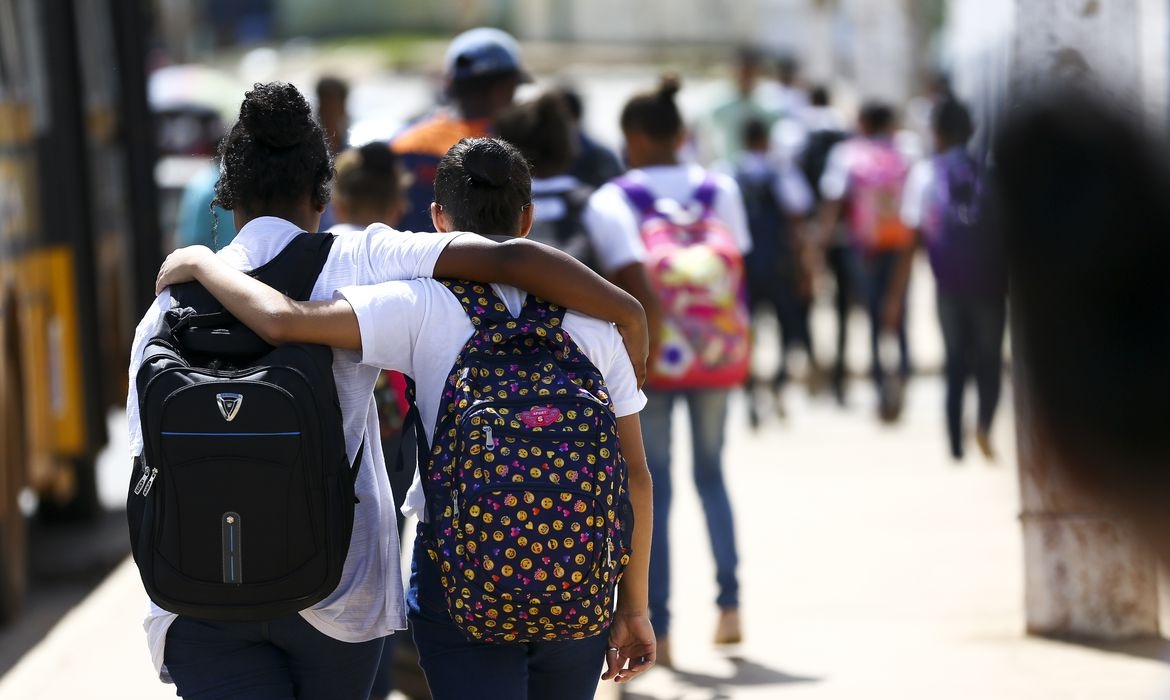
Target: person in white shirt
481, 183
275, 181
653, 130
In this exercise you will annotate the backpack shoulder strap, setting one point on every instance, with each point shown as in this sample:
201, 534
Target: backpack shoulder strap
542, 311
479, 302
706, 192
641, 197
294, 271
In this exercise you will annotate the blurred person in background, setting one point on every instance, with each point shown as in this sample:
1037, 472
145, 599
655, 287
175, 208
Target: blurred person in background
332, 93
863, 181
201, 221
332, 115
593, 164
482, 68
542, 129
659, 192
785, 96
777, 199
720, 132
945, 203
826, 129
370, 188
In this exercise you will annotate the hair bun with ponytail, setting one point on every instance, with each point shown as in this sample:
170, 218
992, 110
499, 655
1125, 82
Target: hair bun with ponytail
277, 115
487, 164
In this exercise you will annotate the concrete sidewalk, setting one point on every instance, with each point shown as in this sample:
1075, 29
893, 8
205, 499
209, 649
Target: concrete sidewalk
873, 567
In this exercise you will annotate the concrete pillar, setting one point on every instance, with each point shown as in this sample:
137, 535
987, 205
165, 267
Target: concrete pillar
1085, 574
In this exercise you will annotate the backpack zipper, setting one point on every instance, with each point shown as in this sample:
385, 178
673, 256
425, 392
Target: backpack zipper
609, 552
142, 479
488, 442
150, 481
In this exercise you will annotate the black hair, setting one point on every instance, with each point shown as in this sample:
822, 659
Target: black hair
655, 113
369, 177
876, 116
543, 131
819, 96
755, 132
479, 86
952, 122
483, 184
748, 56
274, 154
331, 86
572, 100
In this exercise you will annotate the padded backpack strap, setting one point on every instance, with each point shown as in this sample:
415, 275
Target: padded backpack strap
479, 302
641, 197
294, 271
706, 192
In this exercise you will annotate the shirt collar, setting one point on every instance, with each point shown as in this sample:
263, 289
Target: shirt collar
261, 239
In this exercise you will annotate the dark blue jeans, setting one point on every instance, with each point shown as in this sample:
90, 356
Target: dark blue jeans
458, 668
972, 329
876, 271
708, 413
284, 659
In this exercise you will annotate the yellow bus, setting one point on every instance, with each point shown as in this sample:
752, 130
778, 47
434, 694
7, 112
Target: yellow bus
79, 244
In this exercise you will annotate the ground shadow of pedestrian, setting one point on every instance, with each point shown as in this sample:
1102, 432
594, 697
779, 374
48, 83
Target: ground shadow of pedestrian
694, 686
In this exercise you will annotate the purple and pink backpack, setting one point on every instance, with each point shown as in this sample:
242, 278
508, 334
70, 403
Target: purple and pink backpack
697, 271
876, 179
526, 486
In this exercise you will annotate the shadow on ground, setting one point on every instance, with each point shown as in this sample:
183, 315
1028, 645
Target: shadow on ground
702, 686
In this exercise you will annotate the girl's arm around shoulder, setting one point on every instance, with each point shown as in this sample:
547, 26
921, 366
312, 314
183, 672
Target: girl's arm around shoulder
273, 316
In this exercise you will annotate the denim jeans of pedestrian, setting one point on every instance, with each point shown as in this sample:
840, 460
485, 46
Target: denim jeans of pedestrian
284, 659
707, 409
972, 329
877, 271
458, 668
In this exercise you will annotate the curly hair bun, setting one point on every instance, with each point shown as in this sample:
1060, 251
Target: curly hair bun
487, 164
277, 115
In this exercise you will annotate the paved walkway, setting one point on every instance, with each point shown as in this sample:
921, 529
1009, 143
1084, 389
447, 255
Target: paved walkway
873, 567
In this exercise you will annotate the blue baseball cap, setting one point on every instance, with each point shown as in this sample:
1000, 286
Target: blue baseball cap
481, 52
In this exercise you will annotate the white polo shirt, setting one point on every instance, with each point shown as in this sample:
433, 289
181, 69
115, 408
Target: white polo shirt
368, 603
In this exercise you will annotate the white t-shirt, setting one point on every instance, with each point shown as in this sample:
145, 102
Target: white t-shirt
419, 328
613, 223
916, 194
368, 602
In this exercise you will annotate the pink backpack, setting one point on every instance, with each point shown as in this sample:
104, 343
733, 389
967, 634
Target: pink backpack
696, 268
876, 179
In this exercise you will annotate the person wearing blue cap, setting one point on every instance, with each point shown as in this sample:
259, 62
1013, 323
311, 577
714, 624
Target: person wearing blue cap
482, 68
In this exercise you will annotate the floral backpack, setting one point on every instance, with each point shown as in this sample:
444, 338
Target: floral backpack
526, 486
697, 271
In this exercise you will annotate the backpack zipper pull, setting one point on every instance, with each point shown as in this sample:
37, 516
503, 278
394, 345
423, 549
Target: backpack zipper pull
454, 504
150, 481
142, 479
488, 442
609, 552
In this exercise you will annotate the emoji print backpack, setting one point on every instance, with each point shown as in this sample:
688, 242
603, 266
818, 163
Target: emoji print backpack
526, 487
697, 271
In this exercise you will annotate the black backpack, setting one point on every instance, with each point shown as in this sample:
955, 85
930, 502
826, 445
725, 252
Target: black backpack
241, 506
568, 233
